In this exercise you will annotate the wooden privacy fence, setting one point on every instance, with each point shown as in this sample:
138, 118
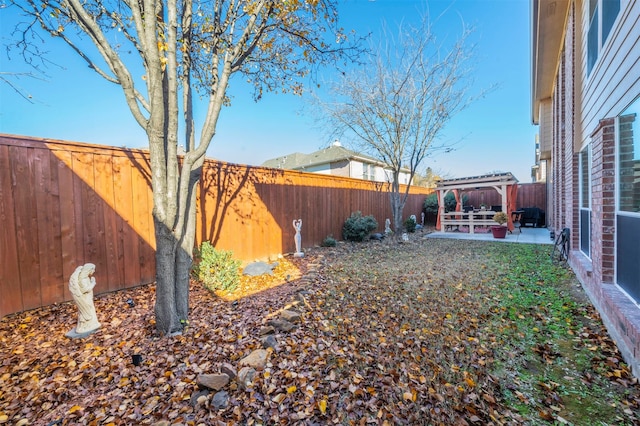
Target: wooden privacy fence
63, 204
529, 195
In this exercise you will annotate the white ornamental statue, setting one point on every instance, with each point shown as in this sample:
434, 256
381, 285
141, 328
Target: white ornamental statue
387, 226
297, 225
81, 286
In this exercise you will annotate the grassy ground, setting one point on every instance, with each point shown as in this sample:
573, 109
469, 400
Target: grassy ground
424, 332
495, 333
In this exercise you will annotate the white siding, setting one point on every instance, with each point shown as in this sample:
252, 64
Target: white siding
614, 81
356, 169
403, 178
546, 128
381, 175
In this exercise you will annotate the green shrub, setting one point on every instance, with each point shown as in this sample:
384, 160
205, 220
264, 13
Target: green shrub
329, 242
358, 227
431, 202
216, 269
410, 224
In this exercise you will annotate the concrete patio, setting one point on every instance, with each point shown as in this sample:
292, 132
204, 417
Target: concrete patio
526, 235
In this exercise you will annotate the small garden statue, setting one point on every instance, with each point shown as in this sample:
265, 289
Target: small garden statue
297, 225
81, 286
422, 221
387, 227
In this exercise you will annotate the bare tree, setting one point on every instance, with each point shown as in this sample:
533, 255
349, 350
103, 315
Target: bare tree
397, 106
180, 47
11, 80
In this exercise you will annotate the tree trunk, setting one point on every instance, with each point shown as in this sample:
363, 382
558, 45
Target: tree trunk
174, 258
396, 210
184, 254
173, 266
397, 205
167, 321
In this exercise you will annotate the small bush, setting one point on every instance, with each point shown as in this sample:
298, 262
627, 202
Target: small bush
358, 227
431, 202
216, 269
500, 217
410, 224
329, 242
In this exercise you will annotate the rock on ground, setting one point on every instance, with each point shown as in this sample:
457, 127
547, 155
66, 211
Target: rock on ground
259, 268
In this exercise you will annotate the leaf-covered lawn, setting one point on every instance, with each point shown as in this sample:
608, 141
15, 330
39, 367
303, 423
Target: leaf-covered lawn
425, 332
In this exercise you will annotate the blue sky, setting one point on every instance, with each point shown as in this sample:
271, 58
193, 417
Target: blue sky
493, 134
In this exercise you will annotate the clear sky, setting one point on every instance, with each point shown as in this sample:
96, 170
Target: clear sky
493, 134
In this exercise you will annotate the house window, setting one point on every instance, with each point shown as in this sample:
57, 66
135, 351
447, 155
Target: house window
628, 201
629, 160
368, 172
585, 200
602, 16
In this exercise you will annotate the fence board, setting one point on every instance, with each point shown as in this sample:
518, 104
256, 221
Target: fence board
26, 226
48, 214
10, 293
140, 184
68, 235
78, 210
93, 220
104, 178
56, 229
128, 239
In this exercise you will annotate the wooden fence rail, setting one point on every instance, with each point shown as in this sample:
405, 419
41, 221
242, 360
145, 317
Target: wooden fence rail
63, 204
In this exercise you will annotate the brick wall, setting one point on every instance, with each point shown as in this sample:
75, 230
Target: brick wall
596, 272
619, 313
603, 201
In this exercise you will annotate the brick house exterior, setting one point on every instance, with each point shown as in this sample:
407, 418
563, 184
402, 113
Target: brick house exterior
585, 98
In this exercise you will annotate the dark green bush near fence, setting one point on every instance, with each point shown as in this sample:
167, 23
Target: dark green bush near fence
410, 225
358, 227
329, 241
431, 203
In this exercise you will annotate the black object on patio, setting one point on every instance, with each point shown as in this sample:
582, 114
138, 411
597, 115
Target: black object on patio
533, 216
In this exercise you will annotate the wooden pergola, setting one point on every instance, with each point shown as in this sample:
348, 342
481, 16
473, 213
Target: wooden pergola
506, 185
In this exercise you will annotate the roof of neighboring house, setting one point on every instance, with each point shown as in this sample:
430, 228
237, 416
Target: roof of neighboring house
331, 154
285, 162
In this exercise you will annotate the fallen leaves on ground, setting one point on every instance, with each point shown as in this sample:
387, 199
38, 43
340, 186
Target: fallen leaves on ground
285, 271
391, 333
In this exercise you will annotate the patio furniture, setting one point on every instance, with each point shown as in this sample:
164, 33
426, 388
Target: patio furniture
483, 219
